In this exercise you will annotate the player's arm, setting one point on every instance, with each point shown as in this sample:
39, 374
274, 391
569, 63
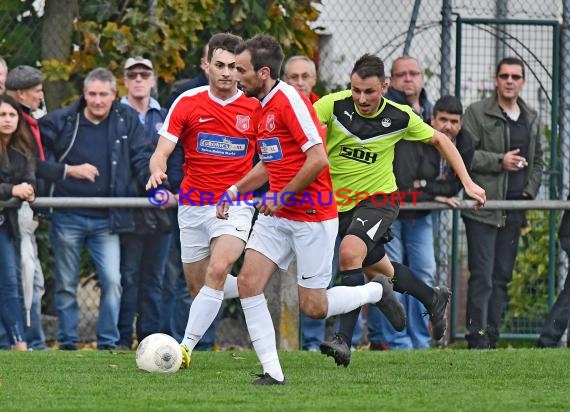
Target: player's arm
158, 162
316, 160
448, 150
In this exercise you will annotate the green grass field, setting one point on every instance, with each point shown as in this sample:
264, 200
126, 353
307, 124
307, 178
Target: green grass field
433, 380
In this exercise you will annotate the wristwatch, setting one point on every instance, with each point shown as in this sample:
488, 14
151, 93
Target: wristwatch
423, 183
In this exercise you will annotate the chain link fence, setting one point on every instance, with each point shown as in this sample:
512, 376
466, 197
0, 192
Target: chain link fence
426, 30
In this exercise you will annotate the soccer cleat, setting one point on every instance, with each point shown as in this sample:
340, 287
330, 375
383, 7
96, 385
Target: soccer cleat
338, 349
438, 312
185, 357
390, 306
267, 379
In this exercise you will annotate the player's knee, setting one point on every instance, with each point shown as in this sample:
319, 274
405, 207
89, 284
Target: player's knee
348, 258
248, 285
217, 271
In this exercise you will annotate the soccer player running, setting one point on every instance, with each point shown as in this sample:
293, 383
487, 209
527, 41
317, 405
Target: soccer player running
362, 129
294, 160
215, 124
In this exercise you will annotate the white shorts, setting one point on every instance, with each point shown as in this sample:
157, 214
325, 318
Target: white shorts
199, 225
312, 243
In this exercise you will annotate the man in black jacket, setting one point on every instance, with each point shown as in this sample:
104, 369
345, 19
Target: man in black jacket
98, 130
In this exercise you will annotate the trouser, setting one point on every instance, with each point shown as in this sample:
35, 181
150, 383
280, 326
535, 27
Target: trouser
491, 254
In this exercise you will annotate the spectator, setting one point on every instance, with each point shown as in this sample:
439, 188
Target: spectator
17, 179
557, 319
508, 164
25, 85
300, 71
143, 251
97, 129
3, 74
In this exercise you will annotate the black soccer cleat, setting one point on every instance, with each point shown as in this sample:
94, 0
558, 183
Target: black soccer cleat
338, 349
438, 312
267, 379
390, 306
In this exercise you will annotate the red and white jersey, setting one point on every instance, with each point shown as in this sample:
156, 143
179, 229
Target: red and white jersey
218, 137
287, 126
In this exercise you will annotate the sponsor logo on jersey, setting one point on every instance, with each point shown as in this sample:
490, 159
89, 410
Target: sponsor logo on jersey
205, 119
270, 123
270, 149
242, 122
226, 146
360, 154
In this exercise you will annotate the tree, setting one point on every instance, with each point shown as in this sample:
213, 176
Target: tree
170, 32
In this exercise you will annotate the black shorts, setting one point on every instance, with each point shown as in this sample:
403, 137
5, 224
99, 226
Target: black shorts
371, 223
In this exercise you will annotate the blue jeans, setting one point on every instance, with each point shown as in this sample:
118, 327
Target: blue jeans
176, 299
143, 260
413, 246
10, 302
34, 334
70, 232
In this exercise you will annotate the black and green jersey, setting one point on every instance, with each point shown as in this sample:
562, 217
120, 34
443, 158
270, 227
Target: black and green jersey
361, 148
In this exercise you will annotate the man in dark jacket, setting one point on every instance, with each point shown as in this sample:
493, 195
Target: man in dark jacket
508, 164
98, 130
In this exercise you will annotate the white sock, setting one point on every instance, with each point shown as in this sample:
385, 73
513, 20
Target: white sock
203, 311
343, 299
230, 287
262, 334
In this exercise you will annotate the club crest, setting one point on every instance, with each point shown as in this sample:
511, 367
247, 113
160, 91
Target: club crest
242, 122
270, 123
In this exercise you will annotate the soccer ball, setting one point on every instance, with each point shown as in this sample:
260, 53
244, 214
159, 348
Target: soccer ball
159, 353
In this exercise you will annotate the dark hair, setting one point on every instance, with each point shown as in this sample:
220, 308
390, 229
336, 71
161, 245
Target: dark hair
21, 140
510, 61
369, 66
224, 41
265, 51
449, 104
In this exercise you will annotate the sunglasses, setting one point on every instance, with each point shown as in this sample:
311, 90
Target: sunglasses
134, 75
505, 76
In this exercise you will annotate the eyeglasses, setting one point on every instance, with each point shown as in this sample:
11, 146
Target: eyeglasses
400, 75
505, 76
133, 75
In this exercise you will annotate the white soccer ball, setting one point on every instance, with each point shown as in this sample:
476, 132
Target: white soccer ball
159, 353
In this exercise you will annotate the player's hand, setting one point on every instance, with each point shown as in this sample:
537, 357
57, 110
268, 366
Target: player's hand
223, 208
156, 179
85, 171
451, 201
477, 193
269, 206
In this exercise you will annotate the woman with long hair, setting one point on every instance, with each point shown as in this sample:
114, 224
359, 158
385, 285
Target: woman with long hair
17, 179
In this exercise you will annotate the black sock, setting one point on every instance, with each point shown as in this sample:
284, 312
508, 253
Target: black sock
407, 282
347, 321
